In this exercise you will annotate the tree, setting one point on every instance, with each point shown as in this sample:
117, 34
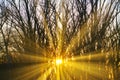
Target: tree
71, 27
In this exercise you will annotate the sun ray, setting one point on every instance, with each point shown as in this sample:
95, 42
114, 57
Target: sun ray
90, 56
82, 31
82, 67
28, 75
29, 71
47, 30
46, 74
62, 74
68, 73
60, 32
35, 58
58, 73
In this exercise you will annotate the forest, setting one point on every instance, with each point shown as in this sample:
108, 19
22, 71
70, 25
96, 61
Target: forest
56, 33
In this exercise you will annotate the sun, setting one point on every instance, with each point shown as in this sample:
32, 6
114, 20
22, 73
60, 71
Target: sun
58, 61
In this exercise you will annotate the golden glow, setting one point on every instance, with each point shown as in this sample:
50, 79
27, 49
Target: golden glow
59, 64
58, 61
60, 68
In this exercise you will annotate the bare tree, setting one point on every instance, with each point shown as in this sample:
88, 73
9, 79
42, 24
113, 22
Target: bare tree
5, 32
72, 27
